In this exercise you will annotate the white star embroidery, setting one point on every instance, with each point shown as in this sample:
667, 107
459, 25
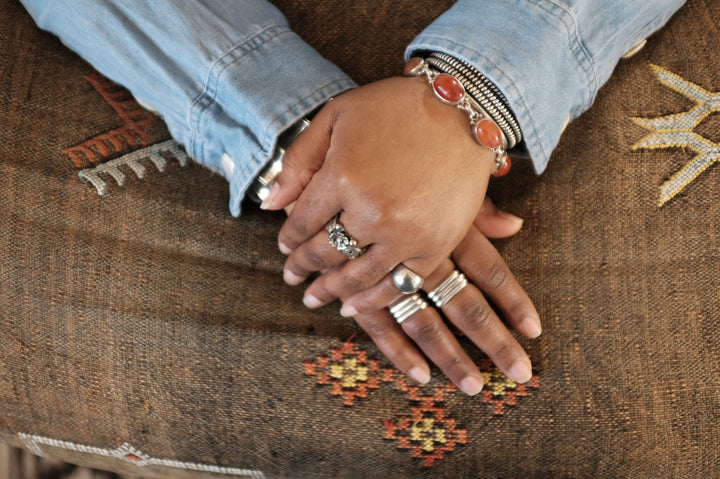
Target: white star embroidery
677, 131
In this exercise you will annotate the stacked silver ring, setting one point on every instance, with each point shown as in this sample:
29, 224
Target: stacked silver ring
407, 307
445, 291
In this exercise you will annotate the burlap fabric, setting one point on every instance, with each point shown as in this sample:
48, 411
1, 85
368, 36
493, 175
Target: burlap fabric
148, 332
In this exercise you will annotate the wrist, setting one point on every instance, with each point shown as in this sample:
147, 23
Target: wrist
451, 91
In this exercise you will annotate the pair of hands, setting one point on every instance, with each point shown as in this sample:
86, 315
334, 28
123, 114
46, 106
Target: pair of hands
409, 181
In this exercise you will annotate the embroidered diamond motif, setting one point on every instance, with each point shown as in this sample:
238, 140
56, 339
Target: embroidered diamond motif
428, 433
349, 371
677, 131
500, 390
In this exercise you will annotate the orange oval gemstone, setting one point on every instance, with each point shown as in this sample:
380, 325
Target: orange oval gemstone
411, 65
504, 168
448, 88
488, 134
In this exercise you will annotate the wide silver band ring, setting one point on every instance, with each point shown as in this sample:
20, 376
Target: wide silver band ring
445, 291
407, 307
406, 280
341, 240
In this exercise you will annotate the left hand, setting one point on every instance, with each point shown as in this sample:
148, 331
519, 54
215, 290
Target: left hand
403, 169
468, 310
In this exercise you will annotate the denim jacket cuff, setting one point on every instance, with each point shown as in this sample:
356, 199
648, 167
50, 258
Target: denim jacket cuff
547, 59
246, 107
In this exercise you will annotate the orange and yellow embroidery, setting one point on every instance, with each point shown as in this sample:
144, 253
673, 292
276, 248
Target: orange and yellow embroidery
426, 431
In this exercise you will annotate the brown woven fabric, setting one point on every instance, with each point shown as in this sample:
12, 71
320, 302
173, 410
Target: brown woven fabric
150, 333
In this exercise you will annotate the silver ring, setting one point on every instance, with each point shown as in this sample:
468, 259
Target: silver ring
407, 307
406, 280
341, 240
445, 291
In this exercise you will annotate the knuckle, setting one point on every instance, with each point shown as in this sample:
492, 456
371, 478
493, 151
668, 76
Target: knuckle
478, 316
504, 349
497, 275
369, 304
453, 362
424, 331
300, 226
355, 281
376, 329
315, 260
375, 267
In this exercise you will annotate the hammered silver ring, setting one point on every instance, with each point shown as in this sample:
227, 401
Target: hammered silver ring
341, 240
445, 291
406, 280
407, 307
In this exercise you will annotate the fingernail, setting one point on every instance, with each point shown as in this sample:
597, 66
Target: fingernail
420, 374
267, 202
284, 249
471, 385
311, 301
291, 278
511, 217
520, 372
348, 311
531, 326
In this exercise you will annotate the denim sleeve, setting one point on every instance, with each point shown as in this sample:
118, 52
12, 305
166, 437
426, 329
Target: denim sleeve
548, 57
226, 76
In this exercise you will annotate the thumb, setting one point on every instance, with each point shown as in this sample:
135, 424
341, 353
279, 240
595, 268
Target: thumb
302, 159
496, 223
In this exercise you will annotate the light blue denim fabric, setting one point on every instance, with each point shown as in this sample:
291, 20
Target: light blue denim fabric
548, 57
229, 76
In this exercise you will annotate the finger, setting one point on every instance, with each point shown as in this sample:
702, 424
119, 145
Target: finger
472, 314
302, 159
431, 335
482, 264
317, 254
315, 207
394, 343
372, 299
363, 273
350, 278
496, 223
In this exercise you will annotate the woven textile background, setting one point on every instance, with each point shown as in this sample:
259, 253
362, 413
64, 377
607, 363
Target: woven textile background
148, 332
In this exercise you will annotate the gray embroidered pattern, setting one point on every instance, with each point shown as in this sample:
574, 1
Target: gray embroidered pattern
677, 131
130, 454
152, 153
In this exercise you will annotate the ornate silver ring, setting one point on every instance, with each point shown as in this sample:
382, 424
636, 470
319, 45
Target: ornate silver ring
445, 291
407, 307
341, 240
406, 280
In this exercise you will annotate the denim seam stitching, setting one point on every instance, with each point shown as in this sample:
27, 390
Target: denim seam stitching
207, 97
577, 46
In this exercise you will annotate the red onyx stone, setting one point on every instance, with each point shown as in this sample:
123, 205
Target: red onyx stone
448, 88
488, 134
504, 168
411, 65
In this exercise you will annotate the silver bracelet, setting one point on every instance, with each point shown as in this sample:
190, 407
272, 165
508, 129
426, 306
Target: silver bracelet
483, 91
450, 90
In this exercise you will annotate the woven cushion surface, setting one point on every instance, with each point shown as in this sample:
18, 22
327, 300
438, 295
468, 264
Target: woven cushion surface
148, 332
